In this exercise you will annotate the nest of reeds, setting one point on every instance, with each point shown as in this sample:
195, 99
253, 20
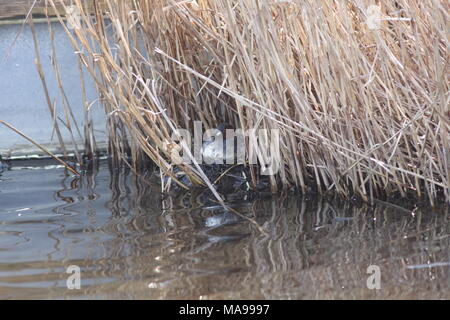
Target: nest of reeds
357, 89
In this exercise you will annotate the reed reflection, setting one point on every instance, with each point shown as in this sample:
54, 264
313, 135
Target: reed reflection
132, 241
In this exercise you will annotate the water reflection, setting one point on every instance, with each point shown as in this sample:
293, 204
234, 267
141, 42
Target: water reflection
130, 241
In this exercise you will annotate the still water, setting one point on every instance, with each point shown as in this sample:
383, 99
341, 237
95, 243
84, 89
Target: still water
130, 241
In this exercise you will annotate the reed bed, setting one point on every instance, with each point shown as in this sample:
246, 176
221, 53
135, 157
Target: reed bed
361, 110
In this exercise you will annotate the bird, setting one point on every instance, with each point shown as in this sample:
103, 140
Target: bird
214, 149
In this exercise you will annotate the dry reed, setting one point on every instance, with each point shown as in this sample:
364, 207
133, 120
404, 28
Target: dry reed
360, 110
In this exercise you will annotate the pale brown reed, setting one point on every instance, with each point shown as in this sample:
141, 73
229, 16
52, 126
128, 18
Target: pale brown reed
360, 111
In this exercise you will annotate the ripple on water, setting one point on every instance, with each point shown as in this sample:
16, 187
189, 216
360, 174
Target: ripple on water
131, 242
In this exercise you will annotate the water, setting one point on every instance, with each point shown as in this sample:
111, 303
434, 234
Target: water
129, 241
